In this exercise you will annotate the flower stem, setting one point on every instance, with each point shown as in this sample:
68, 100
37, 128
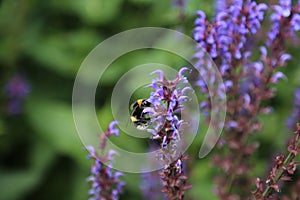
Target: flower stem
288, 159
280, 172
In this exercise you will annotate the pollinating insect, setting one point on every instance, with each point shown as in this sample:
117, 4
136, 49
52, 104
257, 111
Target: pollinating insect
140, 114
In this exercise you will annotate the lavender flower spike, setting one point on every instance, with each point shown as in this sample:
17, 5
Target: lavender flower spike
227, 35
106, 183
285, 21
167, 100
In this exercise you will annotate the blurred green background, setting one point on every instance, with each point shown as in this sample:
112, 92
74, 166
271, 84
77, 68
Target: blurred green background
41, 155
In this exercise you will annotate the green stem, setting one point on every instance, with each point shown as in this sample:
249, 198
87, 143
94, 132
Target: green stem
288, 159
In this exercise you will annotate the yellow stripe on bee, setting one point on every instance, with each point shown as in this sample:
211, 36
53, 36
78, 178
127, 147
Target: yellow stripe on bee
133, 119
140, 101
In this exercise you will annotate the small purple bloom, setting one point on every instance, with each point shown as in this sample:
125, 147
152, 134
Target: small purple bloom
295, 22
286, 6
112, 128
15, 90
277, 76
16, 87
264, 52
14, 106
150, 186
232, 124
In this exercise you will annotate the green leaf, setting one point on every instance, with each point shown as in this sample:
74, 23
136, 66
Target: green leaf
53, 121
15, 184
93, 12
61, 52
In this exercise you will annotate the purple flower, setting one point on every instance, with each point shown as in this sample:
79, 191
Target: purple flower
295, 22
285, 7
150, 186
17, 87
15, 91
167, 100
221, 5
277, 76
226, 37
168, 92
106, 183
112, 129
285, 21
229, 40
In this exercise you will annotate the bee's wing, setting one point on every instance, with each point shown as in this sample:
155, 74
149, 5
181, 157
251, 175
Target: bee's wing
133, 106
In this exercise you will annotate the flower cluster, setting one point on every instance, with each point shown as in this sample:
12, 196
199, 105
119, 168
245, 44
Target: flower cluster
167, 100
16, 90
221, 5
226, 37
105, 182
282, 170
229, 42
295, 116
285, 21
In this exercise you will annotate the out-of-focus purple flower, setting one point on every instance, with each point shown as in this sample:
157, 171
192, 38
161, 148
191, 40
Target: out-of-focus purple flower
229, 40
181, 6
106, 183
296, 22
180, 3
15, 91
295, 116
285, 21
221, 5
16, 87
150, 187
227, 35
276, 76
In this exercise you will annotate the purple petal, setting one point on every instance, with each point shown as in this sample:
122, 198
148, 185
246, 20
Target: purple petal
247, 99
232, 124
263, 50
201, 14
112, 129
262, 7
160, 74
183, 70
285, 57
277, 76
295, 22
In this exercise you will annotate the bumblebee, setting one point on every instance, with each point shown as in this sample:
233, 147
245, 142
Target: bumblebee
139, 117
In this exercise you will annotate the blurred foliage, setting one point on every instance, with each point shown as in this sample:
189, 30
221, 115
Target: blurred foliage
41, 156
